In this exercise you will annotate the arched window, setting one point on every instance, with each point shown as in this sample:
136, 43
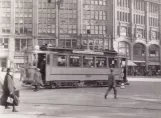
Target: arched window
153, 51
139, 49
124, 48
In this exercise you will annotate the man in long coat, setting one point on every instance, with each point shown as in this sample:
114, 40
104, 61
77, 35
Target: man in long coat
37, 79
112, 84
9, 89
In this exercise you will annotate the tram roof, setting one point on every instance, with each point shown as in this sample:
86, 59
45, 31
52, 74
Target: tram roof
44, 49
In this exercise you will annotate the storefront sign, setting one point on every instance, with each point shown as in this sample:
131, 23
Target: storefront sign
20, 57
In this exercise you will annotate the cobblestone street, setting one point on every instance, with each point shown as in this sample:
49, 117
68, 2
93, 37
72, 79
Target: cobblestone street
140, 99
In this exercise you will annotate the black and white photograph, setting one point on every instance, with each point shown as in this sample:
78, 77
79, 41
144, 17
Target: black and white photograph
80, 58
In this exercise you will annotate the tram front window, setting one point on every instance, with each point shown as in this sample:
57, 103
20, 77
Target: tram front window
61, 60
113, 63
88, 61
74, 61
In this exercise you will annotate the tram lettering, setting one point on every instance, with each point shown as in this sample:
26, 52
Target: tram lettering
88, 75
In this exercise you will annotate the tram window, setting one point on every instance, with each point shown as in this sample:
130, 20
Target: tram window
101, 62
74, 61
113, 63
88, 61
61, 60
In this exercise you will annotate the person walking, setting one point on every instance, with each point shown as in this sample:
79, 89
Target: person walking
22, 74
112, 85
37, 79
9, 90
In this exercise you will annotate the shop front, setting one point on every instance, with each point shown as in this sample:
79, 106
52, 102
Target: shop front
154, 68
140, 69
18, 62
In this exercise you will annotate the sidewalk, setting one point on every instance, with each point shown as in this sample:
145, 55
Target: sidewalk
144, 78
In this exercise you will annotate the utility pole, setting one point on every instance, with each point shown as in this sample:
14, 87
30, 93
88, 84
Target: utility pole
58, 3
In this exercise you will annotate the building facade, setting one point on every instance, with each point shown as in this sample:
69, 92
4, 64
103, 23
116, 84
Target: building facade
137, 34
132, 26
62, 23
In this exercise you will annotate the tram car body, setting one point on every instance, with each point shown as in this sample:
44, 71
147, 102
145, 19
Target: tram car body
73, 68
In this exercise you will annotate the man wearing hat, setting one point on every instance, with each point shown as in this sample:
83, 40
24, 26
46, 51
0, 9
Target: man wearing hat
9, 89
37, 79
112, 84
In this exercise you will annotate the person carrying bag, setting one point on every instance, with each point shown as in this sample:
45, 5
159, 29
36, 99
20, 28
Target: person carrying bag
10, 96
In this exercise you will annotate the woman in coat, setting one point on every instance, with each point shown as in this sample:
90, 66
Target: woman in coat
37, 79
9, 89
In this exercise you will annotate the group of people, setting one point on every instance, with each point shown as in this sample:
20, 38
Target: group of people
9, 88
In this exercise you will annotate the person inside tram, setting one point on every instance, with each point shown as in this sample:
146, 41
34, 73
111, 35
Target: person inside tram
61, 61
100, 64
43, 68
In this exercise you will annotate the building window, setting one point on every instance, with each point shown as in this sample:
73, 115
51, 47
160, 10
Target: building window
5, 12
139, 19
153, 22
140, 33
20, 44
95, 44
153, 8
153, 51
3, 62
68, 17
123, 16
4, 43
139, 50
94, 18
46, 16
139, 5
123, 3
42, 42
23, 17
124, 48
154, 35
124, 31
68, 43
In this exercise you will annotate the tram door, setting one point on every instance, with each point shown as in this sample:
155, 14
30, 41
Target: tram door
42, 65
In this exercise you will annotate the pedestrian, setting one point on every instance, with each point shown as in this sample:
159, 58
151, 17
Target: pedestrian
37, 79
9, 90
22, 73
112, 84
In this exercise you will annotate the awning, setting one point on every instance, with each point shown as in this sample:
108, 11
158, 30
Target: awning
139, 61
131, 63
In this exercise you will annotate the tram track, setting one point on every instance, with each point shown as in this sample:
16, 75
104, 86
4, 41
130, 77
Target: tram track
94, 106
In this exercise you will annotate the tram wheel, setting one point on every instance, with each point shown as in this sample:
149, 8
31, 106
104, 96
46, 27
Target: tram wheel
76, 84
52, 86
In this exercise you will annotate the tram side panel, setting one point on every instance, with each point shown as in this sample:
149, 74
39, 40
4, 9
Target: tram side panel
60, 74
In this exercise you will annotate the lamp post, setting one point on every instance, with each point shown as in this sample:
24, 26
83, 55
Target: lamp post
58, 4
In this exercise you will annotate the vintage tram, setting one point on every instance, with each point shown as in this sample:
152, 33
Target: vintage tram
73, 68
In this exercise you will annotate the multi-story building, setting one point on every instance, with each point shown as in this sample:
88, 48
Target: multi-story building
134, 26
137, 33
